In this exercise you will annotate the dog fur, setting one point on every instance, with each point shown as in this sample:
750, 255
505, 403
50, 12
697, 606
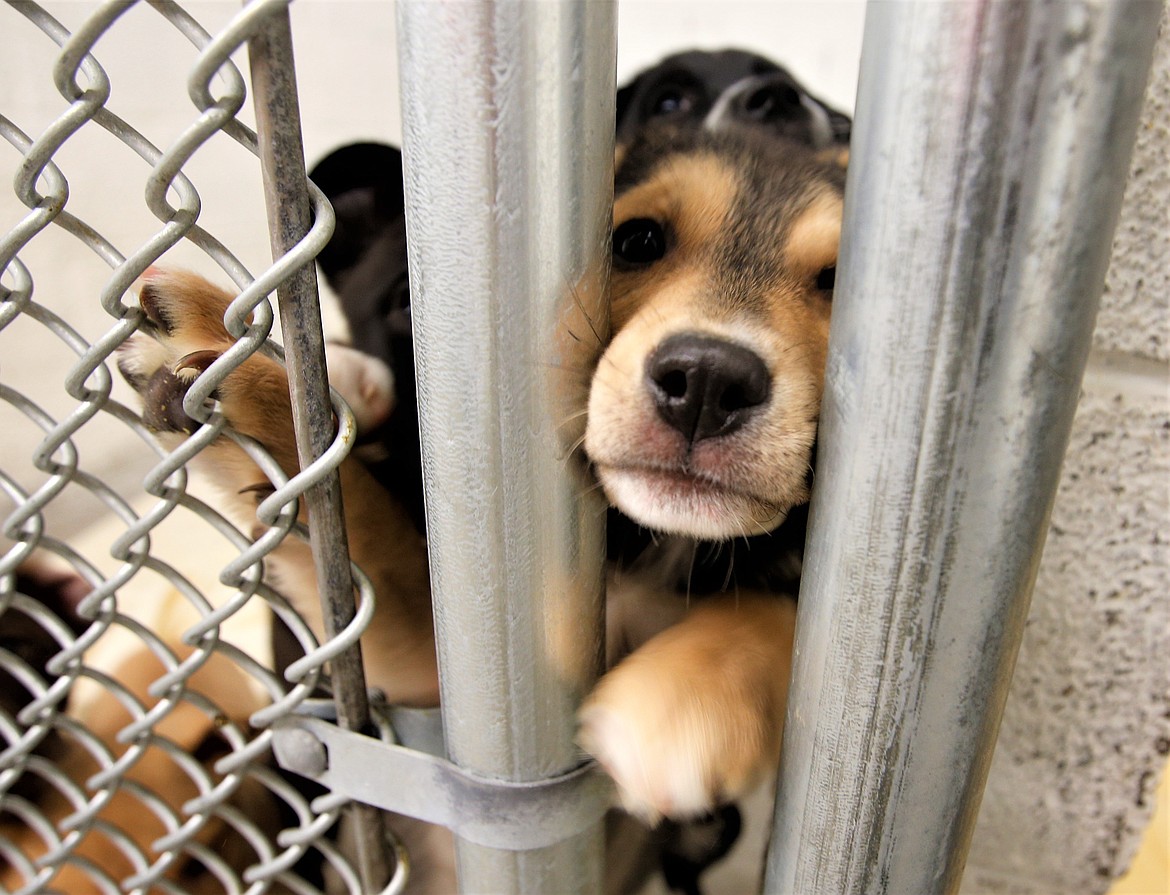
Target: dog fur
129, 816
726, 89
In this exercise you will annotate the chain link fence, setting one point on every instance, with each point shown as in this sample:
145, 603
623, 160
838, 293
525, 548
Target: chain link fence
135, 659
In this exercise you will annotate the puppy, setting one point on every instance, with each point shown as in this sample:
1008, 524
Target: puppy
183, 336
365, 266
726, 89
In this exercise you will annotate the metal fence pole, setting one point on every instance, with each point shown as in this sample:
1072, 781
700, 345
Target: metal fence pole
278, 126
508, 113
989, 157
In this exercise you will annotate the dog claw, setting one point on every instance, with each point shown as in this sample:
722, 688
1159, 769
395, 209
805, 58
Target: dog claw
153, 307
197, 361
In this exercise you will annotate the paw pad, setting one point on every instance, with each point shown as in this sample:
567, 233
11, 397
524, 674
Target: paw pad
162, 403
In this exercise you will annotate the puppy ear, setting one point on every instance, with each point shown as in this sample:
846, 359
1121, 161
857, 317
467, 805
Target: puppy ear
363, 181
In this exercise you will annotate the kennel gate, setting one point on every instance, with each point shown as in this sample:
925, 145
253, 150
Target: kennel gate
568, 187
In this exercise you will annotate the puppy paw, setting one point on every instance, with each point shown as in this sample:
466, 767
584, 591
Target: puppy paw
692, 718
184, 336
366, 384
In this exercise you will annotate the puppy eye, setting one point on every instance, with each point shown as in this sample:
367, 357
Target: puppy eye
672, 101
396, 299
639, 241
827, 278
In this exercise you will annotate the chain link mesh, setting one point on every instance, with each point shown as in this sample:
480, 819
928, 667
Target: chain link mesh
129, 696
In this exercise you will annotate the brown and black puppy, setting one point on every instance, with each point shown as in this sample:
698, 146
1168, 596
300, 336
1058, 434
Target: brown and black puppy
701, 427
56, 778
184, 334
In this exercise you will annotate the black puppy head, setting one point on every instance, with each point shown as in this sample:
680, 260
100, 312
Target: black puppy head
728, 89
365, 260
365, 265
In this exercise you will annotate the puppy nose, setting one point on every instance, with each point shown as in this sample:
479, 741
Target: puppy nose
704, 387
771, 98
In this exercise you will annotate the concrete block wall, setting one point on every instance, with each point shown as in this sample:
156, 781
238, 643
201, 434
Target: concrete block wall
1086, 733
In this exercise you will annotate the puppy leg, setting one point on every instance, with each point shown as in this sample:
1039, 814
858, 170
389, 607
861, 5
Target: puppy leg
188, 336
691, 718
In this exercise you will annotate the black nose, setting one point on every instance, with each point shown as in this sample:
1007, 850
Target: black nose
704, 387
772, 98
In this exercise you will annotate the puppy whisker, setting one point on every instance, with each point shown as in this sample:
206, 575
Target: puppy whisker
575, 293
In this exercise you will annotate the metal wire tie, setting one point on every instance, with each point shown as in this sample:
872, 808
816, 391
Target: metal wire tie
423, 785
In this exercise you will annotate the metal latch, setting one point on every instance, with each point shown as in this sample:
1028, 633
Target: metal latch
419, 783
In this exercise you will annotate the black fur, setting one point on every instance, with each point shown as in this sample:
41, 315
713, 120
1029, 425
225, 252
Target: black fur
683, 89
22, 635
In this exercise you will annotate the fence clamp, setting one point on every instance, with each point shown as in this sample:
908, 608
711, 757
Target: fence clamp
418, 783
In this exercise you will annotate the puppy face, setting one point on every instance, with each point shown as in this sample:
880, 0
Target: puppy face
703, 409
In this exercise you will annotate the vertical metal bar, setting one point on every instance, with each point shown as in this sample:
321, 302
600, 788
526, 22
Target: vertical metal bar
278, 127
989, 157
508, 137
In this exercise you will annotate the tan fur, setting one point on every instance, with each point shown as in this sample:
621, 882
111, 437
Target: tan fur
814, 236
835, 155
189, 730
694, 715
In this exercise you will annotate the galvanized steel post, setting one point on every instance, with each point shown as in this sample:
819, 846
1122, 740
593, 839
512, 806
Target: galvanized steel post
286, 190
508, 112
989, 158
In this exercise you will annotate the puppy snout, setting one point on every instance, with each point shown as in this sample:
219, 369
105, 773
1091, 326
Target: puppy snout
770, 98
705, 387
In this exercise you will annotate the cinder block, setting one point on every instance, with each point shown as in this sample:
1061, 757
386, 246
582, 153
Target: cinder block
1086, 732
1135, 309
